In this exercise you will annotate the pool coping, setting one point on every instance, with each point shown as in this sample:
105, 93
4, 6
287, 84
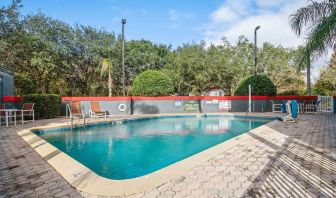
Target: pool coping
87, 181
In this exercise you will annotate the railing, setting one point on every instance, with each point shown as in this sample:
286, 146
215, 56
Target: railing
326, 103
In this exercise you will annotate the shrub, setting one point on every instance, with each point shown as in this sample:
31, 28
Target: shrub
152, 83
291, 92
261, 86
46, 105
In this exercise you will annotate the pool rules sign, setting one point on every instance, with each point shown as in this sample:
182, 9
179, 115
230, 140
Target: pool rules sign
224, 105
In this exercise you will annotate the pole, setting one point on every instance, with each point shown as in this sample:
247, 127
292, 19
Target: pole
250, 98
123, 22
255, 50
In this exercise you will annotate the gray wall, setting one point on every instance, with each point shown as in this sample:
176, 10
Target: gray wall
7, 83
207, 106
175, 106
160, 106
110, 106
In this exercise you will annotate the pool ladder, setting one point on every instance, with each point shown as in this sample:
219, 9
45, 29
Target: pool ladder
246, 114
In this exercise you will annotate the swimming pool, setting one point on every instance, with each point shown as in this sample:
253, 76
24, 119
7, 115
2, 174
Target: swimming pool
132, 148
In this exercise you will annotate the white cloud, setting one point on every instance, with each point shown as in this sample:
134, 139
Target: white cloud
223, 14
269, 3
231, 21
274, 24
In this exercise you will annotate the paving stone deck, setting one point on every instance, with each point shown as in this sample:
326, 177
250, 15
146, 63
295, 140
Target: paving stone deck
23, 173
282, 160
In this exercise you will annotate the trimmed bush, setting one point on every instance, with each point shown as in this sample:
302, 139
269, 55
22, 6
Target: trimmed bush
152, 83
292, 92
46, 105
261, 86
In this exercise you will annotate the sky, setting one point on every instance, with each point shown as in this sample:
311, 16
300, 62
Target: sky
175, 22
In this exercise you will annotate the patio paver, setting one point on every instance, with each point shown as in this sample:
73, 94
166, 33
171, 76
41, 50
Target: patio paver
283, 160
286, 160
23, 173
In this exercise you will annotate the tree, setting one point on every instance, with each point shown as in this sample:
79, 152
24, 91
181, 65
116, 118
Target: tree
261, 86
326, 83
106, 67
152, 83
320, 19
142, 55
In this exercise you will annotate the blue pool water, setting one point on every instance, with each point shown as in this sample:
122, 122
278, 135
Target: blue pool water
138, 147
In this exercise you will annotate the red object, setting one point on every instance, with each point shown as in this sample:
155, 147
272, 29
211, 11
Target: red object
11, 99
105, 98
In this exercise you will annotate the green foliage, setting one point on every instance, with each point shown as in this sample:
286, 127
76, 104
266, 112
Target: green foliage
326, 83
319, 19
51, 56
261, 86
46, 105
291, 92
152, 83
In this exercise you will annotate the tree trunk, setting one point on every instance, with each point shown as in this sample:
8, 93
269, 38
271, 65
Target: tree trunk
110, 83
308, 77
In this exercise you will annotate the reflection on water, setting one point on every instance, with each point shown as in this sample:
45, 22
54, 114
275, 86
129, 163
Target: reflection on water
139, 147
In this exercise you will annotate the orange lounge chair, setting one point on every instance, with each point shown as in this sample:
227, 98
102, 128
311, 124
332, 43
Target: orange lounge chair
74, 110
96, 111
27, 111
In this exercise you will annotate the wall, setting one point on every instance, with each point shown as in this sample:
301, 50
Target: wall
7, 83
109, 104
184, 104
176, 104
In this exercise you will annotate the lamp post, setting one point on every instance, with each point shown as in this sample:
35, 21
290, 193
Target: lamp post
123, 22
255, 49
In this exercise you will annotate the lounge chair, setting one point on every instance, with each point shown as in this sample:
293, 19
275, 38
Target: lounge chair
74, 110
276, 108
2, 113
27, 111
96, 111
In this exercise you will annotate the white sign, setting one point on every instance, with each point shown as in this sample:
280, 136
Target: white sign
224, 105
208, 102
215, 101
178, 103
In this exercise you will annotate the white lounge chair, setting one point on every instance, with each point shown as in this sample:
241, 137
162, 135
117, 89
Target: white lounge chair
276, 108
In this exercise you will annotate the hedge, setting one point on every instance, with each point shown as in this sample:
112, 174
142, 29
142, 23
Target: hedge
292, 92
261, 86
46, 105
152, 83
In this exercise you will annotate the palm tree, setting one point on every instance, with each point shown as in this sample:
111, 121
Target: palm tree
106, 67
319, 20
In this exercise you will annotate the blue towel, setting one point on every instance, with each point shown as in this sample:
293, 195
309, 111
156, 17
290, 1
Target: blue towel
294, 107
283, 107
